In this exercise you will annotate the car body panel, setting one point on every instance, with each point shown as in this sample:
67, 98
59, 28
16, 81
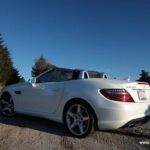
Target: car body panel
31, 96
49, 99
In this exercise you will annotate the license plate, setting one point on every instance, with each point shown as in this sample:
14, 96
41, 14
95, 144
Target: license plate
142, 95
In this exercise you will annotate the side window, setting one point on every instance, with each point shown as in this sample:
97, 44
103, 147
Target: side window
56, 75
66, 74
51, 76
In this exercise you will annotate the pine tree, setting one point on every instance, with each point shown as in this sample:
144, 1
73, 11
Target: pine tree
41, 65
5, 63
1, 41
14, 77
8, 74
144, 76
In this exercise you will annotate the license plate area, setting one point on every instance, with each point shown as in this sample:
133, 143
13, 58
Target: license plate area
142, 95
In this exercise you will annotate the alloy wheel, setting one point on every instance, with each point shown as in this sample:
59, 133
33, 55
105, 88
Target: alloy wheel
78, 120
7, 106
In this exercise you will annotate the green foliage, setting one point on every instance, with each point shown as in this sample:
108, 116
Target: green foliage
5, 63
1, 41
8, 74
40, 66
14, 77
144, 76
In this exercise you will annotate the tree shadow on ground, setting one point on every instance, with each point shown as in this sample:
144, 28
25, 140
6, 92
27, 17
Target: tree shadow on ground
40, 124
45, 125
130, 132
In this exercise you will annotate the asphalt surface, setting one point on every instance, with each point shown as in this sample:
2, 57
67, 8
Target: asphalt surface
31, 133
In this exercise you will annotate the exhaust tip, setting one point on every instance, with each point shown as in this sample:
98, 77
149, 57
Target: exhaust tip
131, 125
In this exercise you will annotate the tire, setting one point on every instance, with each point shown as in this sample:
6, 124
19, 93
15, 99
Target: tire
79, 119
7, 106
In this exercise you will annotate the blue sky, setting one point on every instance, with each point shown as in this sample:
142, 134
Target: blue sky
106, 35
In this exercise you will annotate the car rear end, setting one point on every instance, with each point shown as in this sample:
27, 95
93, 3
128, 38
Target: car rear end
140, 92
125, 104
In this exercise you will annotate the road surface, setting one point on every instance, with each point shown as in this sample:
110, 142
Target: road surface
30, 133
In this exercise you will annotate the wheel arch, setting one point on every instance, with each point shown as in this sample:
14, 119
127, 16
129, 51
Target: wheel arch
80, 100
5, 93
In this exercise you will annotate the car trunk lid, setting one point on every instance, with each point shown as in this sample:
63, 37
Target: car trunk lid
140, 91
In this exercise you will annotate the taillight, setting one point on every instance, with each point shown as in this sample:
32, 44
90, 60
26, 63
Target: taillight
117, 95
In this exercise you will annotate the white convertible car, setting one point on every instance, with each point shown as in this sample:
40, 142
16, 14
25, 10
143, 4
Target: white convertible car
80, 99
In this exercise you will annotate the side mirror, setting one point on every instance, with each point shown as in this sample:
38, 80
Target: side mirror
33, 80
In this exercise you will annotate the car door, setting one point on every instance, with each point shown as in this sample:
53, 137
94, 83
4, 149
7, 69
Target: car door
45, 94
45, 97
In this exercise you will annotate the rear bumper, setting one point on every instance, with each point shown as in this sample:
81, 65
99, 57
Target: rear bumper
117, 115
